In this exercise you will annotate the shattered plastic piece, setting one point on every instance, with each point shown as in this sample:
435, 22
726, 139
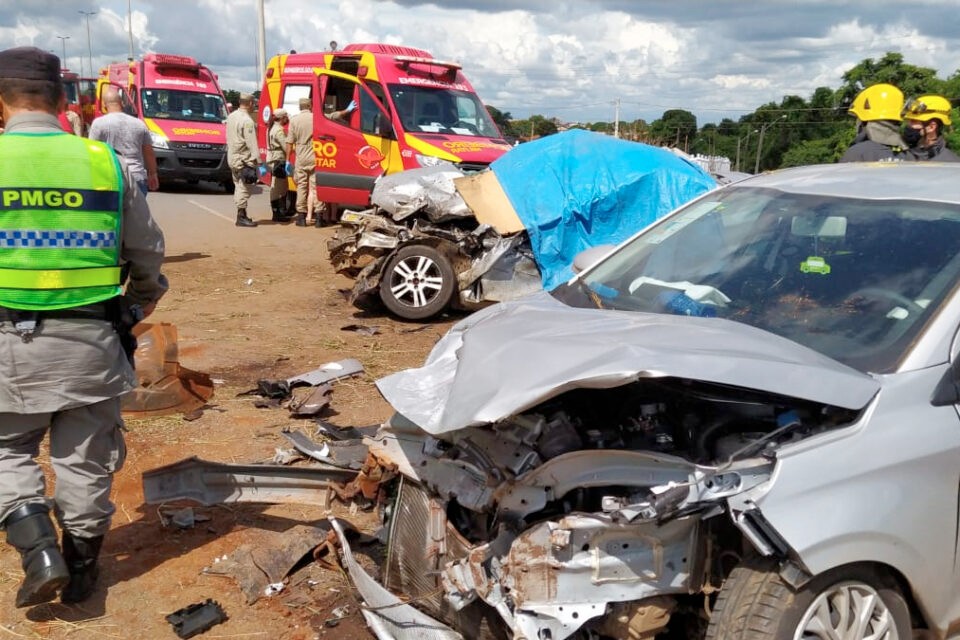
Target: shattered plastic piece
273, 589
330, 372
333, 432
183, 518
348, 454
196, 618
337, 615
273, 388
362, 329
163, 386
312, 403
285, 456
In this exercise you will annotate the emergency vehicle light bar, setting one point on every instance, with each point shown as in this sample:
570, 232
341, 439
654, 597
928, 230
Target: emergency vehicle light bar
171, 60
406, 61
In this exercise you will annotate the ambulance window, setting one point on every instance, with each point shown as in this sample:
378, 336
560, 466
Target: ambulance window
372, 118
127, 102
291, 97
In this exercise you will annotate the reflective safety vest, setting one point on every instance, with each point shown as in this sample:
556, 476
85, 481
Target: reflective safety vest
61, 203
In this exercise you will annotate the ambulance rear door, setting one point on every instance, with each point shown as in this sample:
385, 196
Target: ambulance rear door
353, 152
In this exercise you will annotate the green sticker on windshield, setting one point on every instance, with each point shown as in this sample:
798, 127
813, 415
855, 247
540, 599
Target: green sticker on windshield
815, 264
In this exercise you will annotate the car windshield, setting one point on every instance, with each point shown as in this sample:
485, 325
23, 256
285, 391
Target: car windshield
431, 110
853, 279
192, 106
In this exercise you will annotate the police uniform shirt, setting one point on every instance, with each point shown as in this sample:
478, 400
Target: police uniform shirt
31, 373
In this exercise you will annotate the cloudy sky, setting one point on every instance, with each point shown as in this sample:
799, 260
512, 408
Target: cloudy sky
570, 59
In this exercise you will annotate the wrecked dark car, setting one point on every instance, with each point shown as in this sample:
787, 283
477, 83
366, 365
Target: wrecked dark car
741, 423
436, 238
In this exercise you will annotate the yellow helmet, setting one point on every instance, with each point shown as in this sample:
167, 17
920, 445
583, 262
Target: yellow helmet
926, 108
878, 102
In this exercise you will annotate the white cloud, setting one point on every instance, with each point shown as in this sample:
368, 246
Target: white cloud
553, 57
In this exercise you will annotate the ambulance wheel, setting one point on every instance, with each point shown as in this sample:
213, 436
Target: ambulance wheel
418, 282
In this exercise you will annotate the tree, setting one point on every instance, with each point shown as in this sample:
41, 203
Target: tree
501, 118
676, 128
910, 79
232, 96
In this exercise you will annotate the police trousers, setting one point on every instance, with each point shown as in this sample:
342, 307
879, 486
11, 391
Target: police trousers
86, 449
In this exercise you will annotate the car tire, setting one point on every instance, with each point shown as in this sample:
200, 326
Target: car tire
229, 187
755, 603
418, 282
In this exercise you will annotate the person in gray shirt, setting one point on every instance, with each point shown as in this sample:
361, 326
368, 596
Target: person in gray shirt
129, 137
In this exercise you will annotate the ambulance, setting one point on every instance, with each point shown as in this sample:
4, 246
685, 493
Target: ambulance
183, 107
80, 95
411, 111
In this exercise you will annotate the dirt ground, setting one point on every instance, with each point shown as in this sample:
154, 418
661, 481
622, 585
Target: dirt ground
248, 304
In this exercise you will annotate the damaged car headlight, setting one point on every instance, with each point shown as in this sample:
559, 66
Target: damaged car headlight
429, 161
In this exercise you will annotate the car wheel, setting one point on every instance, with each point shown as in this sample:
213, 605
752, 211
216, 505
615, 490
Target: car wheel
856, 602
229, 187
418, 282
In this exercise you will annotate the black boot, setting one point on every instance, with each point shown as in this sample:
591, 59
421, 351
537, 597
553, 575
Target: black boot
301, 219
243, 220
81, 556
279, 210
31, 532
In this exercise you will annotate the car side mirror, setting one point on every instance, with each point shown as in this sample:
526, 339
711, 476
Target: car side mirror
947, 391
588, 257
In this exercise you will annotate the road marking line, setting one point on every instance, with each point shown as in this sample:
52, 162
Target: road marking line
209, 210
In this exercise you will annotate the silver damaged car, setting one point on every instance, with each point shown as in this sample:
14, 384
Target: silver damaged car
740, 423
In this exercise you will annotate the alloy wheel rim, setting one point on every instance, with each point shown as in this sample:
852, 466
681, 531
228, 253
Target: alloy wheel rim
847, 611
416, 281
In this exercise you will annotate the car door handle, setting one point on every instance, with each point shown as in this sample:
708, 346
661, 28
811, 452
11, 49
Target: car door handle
326, 138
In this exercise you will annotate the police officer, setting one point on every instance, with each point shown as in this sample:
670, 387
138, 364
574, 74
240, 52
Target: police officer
243, 156
71, 221
924, 119
878, 126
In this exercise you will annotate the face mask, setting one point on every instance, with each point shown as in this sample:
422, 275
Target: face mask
911, 136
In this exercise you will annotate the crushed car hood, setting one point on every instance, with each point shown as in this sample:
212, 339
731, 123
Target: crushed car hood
515, 355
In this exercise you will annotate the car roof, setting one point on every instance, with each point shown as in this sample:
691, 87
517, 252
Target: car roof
928, 181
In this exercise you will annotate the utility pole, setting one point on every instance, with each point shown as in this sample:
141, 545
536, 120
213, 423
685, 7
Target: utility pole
756, 166
89, 46
616, 119
129, 31
261, 42
63, 60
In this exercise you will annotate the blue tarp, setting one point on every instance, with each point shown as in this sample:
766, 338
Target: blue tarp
578, 189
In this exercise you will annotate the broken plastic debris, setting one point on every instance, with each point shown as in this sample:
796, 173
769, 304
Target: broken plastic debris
286, 456
248, 282
273, 589
184, 518
337, 615
196, 618
362, 329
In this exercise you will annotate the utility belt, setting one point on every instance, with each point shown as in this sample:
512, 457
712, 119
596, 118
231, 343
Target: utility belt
97, 311
122, 315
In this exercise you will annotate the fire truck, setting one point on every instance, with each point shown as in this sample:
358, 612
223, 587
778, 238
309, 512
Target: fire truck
183, 107
412, 110
81, 95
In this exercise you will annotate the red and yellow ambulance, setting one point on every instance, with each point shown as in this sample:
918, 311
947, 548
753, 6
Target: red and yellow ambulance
80, 94
183, 107
411, 111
